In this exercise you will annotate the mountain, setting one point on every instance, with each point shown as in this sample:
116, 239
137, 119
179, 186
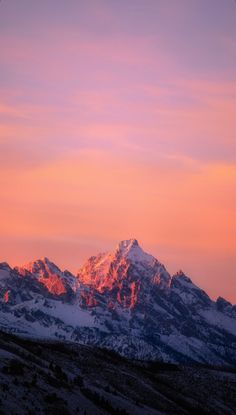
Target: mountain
125, 301
126, 275
39, 377
56, 281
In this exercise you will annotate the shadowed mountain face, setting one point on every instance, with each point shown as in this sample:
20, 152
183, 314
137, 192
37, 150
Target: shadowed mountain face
55, 378
125, 301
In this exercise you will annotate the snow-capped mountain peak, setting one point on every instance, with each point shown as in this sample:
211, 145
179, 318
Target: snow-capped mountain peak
128, 244
40, 267
127, 274
49, 274
131, 250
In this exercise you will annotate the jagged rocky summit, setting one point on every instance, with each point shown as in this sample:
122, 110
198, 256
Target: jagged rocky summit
125, 301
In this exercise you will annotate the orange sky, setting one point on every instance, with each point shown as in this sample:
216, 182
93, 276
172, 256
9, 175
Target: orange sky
118, 120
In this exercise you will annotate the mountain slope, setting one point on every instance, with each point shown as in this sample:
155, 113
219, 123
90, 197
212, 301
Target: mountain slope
125, 301
55, 378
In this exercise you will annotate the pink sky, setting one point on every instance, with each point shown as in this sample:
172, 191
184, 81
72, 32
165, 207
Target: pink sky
118, 120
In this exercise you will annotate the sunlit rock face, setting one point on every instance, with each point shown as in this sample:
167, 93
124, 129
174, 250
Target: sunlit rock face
6, 296
48, 274
125, 275
125, 301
